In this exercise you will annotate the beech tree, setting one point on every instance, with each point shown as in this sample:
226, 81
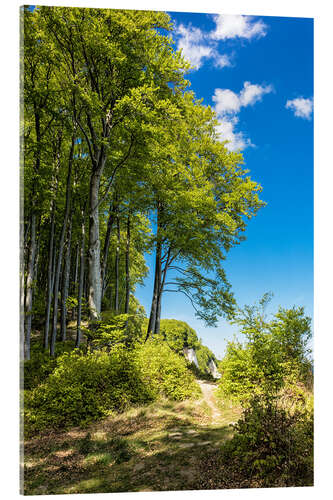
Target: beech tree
202, 198
120, 159
109, 57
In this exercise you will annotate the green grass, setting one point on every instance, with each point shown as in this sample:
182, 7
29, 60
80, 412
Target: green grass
153, 448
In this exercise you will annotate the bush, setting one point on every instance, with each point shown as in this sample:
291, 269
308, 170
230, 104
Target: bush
200, 374
37, 369
41, 364
178, 335
249, 370
165, 372
273, 444
85, 387
115, 329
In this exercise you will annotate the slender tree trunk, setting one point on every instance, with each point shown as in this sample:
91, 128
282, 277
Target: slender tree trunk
80, 292
158, 314
160, 291
158, 300
37, 255
127, 264
107, 245
49, 282
29, 285
74, 290
36, 265
65, 283
116, 268
22, 283
95, 285
153, 310
61, 250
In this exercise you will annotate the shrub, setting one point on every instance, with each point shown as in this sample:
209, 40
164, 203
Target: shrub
41, 364
165, 372
273, 444
85, 387
178, 335
114, 329
249, 370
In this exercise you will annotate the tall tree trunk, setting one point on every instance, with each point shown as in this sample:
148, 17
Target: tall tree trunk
29, 285
49, 282
116, 268
22, 282
107, 244
162, 276
94, 251
65, 283
61, 250
154, 304
74, 287
158, 314
80, 292
127, 264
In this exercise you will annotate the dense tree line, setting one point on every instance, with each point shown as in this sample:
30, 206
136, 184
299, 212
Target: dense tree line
120, 159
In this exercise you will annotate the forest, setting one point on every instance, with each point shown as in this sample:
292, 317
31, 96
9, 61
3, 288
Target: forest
120, 160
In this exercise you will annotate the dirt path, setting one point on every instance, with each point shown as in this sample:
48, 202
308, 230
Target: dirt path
157, 447
208, 389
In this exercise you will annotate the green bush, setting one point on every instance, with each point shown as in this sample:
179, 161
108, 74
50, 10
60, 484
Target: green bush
37, 369
115, 329
273, 444
85, 387
249, 370
165, 372
178, 335
41, 364
274, 353
204, 356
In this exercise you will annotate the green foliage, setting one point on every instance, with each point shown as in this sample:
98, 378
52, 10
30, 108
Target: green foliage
85, 387
115, 329
275, 352
37, 368
178, 335
41, 364
273, 444
165, 372
250, 369
204, 356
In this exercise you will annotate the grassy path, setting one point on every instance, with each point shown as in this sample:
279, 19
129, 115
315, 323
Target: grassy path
153, 448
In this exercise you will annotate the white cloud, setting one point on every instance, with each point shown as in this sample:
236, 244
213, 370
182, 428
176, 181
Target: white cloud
253, 93
232, 26
226, 131
221, 60
196, 46
189, 43
226, 101
227, 106
301, 107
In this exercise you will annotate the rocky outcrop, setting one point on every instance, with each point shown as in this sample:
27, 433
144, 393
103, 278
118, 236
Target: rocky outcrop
213, 369
190, 355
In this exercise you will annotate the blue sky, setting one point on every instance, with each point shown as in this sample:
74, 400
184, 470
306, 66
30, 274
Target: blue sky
257, 73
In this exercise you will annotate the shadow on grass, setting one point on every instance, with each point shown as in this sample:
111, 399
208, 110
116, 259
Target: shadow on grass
136, 453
